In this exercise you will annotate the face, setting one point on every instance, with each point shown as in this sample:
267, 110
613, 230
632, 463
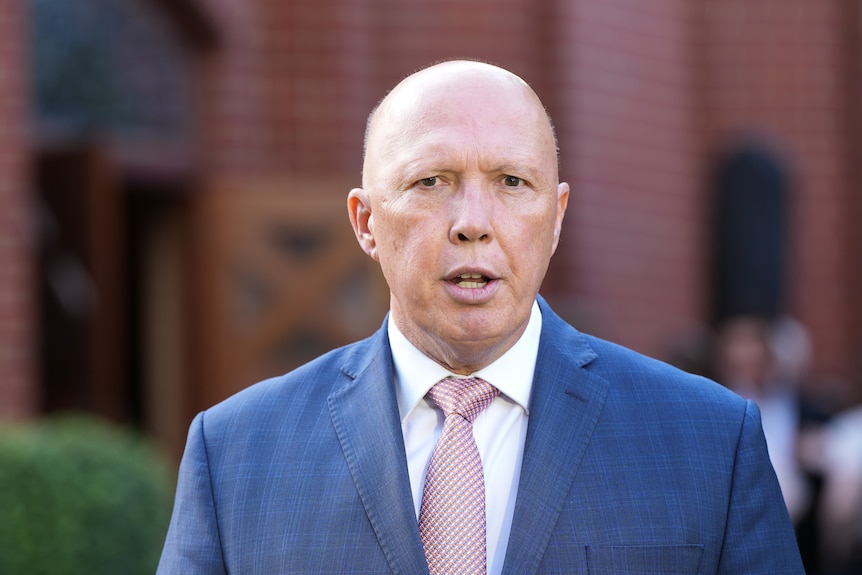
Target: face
462, 207
744, 356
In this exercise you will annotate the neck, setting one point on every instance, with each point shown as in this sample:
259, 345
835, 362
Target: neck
461, 357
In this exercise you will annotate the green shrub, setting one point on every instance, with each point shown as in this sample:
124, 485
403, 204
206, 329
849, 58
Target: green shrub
80, 496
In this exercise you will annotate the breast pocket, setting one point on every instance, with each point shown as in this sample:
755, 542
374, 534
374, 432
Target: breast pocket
644, 559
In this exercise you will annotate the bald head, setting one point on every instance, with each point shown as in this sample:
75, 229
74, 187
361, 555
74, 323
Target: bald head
452, 84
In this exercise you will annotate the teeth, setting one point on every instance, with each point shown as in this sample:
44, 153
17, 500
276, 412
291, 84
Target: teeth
466, 284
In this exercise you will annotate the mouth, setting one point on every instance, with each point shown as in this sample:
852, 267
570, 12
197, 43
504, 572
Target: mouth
470, 280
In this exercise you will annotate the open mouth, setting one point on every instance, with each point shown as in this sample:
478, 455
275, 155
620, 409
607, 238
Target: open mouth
471, 281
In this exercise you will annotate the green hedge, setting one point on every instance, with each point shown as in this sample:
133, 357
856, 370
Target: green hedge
80, 496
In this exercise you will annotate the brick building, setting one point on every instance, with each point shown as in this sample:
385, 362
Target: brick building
193, 182
18, 379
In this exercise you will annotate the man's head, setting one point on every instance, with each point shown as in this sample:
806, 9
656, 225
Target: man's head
461, 206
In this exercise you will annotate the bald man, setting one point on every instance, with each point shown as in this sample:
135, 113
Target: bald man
583, 457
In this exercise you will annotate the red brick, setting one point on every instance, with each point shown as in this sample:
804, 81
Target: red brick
17, 318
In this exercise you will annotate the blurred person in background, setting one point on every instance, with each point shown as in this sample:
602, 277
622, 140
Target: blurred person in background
837, 451
815, 448
748, 362
841, 508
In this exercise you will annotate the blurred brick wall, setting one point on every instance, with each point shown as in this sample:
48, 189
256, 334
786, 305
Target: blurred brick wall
17, 317
627, 114
294, 81
784, 70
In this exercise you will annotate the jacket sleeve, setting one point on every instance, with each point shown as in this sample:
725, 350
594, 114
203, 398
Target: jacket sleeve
759, 537
193, 546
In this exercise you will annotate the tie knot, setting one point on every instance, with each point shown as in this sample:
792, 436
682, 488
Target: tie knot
465, 396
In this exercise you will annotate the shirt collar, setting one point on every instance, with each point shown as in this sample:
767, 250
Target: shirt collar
512, 373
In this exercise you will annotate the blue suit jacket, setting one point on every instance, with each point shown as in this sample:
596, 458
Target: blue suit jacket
630, 467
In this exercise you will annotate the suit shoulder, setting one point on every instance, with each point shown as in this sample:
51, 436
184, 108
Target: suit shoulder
633, 372
299, 389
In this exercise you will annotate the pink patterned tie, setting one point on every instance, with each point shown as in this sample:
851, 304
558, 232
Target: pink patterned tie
452, 516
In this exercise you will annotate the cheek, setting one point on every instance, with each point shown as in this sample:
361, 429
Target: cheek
400, 249
404, 232
537, 227
532, 245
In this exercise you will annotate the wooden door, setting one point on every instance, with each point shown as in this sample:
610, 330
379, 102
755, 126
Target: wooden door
279, 279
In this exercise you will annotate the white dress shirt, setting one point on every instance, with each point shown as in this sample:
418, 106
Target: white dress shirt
500, 430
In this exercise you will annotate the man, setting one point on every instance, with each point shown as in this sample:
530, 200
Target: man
593, 459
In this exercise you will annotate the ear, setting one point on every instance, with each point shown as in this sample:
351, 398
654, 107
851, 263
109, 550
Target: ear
359, 210
562, 204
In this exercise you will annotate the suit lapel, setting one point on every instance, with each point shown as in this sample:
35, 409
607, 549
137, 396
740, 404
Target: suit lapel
366, 420
565, 404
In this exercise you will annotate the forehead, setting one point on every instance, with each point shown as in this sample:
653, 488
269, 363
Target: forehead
461, 95
493, 115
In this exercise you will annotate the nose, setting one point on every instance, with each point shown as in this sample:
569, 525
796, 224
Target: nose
472, 211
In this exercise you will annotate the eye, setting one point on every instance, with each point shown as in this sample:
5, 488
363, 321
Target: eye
428, 182
512, 181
